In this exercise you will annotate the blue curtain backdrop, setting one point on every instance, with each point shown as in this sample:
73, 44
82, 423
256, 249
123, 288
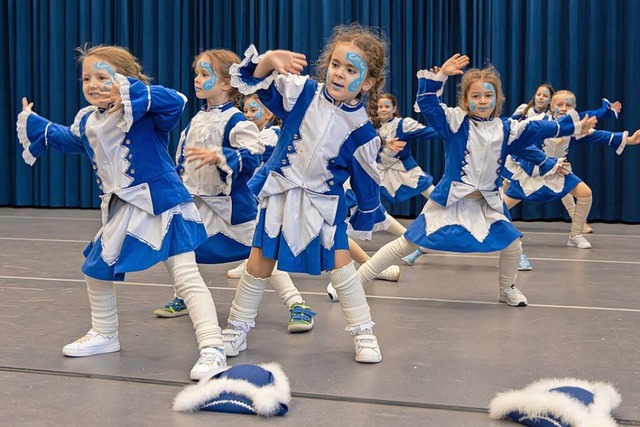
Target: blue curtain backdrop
587, 46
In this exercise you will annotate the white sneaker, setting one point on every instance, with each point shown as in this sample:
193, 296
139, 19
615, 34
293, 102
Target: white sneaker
235, 341
367, 349
236, 273
90, 344
331, 291
512, 296
578, 242
211, 359
391, 274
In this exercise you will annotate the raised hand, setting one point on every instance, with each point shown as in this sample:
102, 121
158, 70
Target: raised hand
285, 61
26, 105
634, 139
206, 157
616, 106
588, 123
115, 100
454, 65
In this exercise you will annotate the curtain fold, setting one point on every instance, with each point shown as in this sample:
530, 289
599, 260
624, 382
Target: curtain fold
585, 46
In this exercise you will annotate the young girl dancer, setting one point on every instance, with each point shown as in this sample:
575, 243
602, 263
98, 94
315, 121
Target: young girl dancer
264, 119
526, 183
465, 212
327, 138
218, 152
537, 106
148, 215
401, 176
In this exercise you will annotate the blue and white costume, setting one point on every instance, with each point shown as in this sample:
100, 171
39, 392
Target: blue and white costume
526, 182
401, 176
532, 113
147, 213
269, 136
227, 206
465, 212
303, 207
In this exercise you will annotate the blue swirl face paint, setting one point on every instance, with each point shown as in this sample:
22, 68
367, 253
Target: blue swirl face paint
104, 66
570, 102
211, 82
361, 65
258, 114
556, 111
490, 87
472, 106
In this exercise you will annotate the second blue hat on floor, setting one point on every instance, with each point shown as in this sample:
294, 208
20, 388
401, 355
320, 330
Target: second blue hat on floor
558, 402
242, 389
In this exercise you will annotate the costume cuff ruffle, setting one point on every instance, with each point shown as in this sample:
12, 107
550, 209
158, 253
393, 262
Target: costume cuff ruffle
31, 148
363, 224
623, 144
607, 104
429, 83
242, 74
127, 115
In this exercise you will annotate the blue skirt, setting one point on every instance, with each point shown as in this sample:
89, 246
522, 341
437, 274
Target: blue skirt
544, 193
314, 259
404, 192
135, 255
220, 248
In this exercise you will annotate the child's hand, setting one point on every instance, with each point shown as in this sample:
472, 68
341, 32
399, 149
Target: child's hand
396, 145
616, 106
206, 157
115, 100
285, 61
435, 69
454, 65
588, 123
26, 105
563, 169
634, 139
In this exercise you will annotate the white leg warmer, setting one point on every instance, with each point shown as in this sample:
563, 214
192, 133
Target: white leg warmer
509, 257
352, 299
104, 310
282, 283
583, 206
395, 227
569, 204
244, 307
388, 255
189, 285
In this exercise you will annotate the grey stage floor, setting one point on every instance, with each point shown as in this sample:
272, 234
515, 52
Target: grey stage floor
448, 345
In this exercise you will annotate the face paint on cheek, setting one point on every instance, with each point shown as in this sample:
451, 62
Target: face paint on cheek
556, 111
490, 87
472, 106
211, 82
361, 65
104, 66
258, 114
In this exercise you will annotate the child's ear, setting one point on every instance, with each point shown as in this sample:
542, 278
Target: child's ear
368, 84
226, 85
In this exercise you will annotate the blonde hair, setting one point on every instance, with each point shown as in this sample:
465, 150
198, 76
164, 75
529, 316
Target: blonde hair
373, 45
221, 61
125, 63
488, 75
565, 93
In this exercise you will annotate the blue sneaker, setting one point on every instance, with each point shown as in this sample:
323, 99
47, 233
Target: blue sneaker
175, 308
412, 257
524, 264
301, 318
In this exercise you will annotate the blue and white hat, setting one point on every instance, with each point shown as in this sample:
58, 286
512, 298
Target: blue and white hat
242, 389
558, 402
